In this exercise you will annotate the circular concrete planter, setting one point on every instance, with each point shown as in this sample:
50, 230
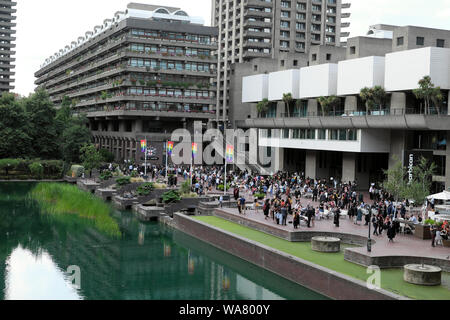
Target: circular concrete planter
326, 244
423, 275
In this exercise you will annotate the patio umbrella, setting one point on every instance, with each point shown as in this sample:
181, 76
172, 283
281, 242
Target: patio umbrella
440, 196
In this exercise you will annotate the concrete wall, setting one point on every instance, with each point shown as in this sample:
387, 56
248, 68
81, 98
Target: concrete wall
404, 69
367, 46
348, 167
284, 82
317, 81
320, 279
255, 88
353, 75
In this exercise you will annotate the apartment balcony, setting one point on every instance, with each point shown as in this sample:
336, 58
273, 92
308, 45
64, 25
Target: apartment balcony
346, 5
257, 14
345, 25
139, 112
257, 24
8, 4
258, 3
250, 55
346, 15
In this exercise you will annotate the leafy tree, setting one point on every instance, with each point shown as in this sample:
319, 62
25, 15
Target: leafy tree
287, 99
15, 141
379, 96
395, 182
429, 93
107, 156
373, 97
420, 187
41, 125
262, 106
74, 136
90, 157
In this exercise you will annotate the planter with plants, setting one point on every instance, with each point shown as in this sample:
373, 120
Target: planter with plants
423, 231
259, 196
122, 181
171, 197
145, 189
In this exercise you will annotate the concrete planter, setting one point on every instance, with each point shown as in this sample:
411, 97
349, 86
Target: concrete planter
446, 243
423, 232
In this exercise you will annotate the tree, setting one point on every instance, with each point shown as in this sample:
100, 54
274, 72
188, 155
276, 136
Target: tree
262, 106
428, 93
326, 103
287, 99
379, 96
41, 126
420, 187
90, 157
74, 136
395, 180
15, 141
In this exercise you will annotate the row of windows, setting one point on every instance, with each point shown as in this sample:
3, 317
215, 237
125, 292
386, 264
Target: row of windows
168, 92
171, 36
312, 134
420, 41
169, 65
169, 50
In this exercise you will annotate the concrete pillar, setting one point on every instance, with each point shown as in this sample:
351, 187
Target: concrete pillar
122, 126
110, 126
279, 159
313, 107
398, 103
311, 164
281, 109
398, 146
448, 104
447, 164
138, 125
351, 104
348, 167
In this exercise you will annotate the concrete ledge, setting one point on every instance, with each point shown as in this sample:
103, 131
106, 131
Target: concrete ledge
307, 274
293, 236
388, 262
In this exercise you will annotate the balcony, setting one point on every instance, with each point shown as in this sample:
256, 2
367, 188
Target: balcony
393, 119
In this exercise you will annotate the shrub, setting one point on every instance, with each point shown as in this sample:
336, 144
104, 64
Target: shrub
37, 170
123, 181
430, 222
8, 165
171, 196
145, 189
106, 155
137, 180
220, 187
106, 175
185, 188
259, 196
160, 186
53, 168
77, 171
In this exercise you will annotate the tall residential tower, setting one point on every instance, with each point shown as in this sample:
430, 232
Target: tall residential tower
269, 28
7, 33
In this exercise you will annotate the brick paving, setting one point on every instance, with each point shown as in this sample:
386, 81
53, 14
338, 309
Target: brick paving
403, 245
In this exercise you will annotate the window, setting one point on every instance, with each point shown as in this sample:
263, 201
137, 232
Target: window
399, 41
420, 41
328, 56
295, 63
314, 57
352, 50
282, 63
255, 68
440, 43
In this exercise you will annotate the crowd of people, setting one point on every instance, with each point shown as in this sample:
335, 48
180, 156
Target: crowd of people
292, 198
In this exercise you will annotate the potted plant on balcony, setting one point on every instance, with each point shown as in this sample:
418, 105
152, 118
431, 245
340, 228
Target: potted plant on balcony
287, 99
429, 94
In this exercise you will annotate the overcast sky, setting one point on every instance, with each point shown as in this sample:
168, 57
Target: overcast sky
45, 26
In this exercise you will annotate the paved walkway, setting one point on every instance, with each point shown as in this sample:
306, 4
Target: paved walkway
404, 245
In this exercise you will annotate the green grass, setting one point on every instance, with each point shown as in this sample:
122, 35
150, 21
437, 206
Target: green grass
62, 201
391, 279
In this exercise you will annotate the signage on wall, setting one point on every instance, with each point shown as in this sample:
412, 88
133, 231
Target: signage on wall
412, 158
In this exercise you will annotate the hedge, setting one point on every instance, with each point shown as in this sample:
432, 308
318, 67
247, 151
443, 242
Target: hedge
21, 169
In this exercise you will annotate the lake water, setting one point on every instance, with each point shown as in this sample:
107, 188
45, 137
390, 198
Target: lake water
44, 258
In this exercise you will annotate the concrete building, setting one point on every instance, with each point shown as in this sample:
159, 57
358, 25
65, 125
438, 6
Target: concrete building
140, 75
347, 142
272, 29
7, 38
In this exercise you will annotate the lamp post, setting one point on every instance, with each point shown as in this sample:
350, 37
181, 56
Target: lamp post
369, 240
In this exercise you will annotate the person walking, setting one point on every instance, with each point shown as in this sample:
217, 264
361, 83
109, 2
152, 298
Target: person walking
337, 215
433, 236
296, 220
266, 209
391, 231
284, 214
375, 225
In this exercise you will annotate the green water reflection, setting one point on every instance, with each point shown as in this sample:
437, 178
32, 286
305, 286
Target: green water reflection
151, 261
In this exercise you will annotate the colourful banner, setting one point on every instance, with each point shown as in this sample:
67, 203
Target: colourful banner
169, 148
230, 153
194, 149
143, 145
